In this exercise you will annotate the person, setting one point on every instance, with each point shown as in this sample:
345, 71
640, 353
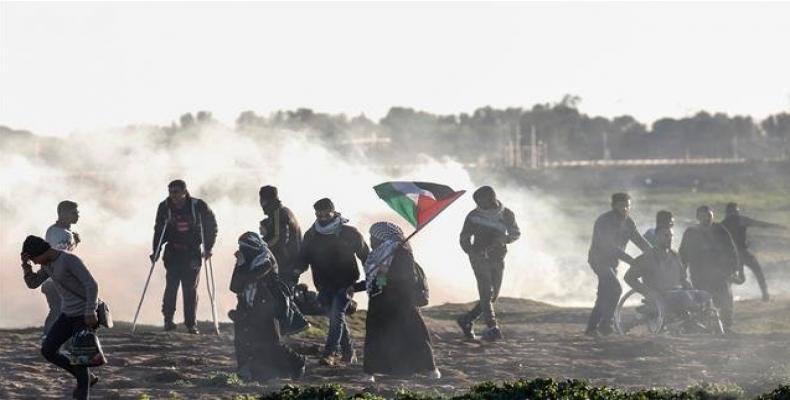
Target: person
710, 255
611, 233
737, 224
664, 219
260, 354
283, 236
180, 216
397, 342
60, 236
659, 274
68, 273
331, 248
486, 232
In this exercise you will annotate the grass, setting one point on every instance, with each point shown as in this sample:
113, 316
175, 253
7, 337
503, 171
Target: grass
542, 388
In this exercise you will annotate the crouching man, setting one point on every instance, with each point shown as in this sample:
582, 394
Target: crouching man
260, 354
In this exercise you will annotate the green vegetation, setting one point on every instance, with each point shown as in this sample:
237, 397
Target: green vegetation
543, 388
224, 379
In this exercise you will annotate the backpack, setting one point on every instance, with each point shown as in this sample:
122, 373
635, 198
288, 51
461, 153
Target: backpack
421, 291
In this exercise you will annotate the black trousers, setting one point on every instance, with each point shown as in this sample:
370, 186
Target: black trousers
61, 331
183, 269
609, 291
488, 273
258, 344
750, 261
721, 292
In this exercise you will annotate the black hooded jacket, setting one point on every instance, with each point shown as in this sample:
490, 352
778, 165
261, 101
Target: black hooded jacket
333, 258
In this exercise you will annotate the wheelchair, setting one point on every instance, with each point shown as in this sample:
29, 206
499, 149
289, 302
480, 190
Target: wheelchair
639, 315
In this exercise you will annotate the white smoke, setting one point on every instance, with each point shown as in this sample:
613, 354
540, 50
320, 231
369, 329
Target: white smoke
118, 179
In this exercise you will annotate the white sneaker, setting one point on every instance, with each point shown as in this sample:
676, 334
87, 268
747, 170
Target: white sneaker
435, 374
370, 378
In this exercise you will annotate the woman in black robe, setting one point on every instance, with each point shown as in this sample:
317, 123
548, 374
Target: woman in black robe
397, 342
260, 354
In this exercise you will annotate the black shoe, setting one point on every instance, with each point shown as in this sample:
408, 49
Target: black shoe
605, 330
93, 381
169, 326
467, 328
492, 334
193, 330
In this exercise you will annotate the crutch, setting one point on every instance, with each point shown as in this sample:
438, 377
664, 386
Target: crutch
150, 272
210, 286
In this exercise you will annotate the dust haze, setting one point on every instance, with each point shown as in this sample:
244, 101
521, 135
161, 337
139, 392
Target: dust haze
119, 176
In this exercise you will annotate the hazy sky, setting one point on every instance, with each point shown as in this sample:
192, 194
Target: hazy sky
65, 67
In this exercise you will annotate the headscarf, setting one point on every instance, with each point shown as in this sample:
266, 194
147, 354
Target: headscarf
379, 260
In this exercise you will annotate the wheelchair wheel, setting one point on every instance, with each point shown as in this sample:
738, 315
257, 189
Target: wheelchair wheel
637, 315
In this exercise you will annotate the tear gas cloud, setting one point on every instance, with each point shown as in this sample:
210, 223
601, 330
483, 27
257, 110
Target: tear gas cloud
118, 179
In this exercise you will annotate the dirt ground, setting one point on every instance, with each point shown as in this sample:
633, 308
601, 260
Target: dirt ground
541, 341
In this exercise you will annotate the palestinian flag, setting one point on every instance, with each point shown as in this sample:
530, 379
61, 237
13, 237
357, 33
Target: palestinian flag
418, 202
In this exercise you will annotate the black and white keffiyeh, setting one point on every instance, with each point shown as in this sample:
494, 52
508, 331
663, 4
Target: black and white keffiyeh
379, 260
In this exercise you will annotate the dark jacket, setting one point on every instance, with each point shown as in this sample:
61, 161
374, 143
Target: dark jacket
183, 229
611, 233
709, 254
737, 224
284, 237
659, 271
486, 237
333, 258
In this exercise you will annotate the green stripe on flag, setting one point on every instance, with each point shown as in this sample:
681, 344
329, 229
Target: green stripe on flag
398, 202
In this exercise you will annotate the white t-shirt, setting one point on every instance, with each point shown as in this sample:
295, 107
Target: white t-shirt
60, 238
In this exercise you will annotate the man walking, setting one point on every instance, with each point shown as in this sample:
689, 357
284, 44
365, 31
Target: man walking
611, 233
181, 217
60, 237
711, 257
737, 224
487, 231
331, 249
79, 293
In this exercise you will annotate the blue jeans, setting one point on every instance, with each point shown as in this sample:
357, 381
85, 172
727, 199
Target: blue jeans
339, 336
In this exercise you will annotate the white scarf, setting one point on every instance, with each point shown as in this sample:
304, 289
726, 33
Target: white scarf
332, 228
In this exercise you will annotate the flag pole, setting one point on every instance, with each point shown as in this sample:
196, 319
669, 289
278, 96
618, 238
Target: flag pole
419, 228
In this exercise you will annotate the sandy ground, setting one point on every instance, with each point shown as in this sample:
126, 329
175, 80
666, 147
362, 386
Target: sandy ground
541, 341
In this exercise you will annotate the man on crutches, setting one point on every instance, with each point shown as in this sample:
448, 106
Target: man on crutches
182, 224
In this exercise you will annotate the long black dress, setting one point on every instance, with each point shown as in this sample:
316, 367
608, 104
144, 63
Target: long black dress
397, 342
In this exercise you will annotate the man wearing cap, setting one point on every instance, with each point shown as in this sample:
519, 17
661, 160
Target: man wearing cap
181, 216
611, 233
487, 231
737, 224
79, 293
710, 255
331, 249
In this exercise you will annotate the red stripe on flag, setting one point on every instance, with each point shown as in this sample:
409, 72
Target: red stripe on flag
428, 208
